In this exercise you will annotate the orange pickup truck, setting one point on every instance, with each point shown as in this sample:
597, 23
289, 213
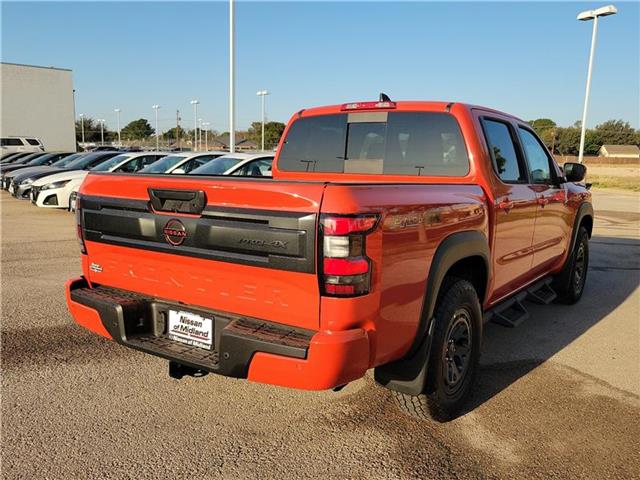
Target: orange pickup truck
387, 235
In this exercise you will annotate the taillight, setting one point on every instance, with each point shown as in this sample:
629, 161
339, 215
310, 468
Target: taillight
367, 105
83, 249
346, 269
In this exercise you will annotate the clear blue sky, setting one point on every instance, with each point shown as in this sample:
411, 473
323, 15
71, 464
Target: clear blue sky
529, 59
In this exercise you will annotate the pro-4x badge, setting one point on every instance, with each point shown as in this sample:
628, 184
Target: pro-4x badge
95, 267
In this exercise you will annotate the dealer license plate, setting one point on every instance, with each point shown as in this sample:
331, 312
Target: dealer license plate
190, 328
11, 189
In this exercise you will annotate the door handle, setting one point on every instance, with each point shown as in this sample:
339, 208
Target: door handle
506, 205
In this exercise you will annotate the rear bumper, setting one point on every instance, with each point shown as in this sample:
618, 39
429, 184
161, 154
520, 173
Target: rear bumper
243, 347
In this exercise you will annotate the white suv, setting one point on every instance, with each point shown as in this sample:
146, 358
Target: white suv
21, 144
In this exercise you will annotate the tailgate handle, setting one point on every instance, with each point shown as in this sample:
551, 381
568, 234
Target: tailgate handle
178, 201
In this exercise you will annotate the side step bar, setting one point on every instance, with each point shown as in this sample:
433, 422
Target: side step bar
512, 312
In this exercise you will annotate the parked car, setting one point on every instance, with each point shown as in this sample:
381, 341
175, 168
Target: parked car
389, 233
22, 183
21, 144
71, 180
43, 159
181, 163
7, 178
5, 170
11, 156
246, 164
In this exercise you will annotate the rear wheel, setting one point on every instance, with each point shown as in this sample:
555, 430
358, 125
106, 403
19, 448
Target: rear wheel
455, 354
569, 284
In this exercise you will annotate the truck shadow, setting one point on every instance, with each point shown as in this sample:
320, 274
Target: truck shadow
509, 354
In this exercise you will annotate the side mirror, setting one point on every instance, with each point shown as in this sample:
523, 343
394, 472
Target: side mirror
179, 171
574, 172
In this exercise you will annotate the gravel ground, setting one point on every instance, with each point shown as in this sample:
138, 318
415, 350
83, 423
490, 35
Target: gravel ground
557, 397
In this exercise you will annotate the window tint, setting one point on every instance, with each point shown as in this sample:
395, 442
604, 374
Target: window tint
11, 142
537, 158
109, 164
503, 152
257, 168
129, 167
197, 162
164, 164
315, 144
33, 141
217, 166
397, 143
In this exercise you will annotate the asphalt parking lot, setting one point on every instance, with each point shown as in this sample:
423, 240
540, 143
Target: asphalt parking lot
558, 397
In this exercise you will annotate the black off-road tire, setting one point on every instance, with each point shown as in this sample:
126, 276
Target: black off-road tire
569, 284
454, 357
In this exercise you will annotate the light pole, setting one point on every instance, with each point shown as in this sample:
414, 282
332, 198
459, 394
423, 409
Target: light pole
82, 126
156, 107
199, 134
206, 136
262, 93
195, 124
101, 122
117, 110
584, 16
232, 82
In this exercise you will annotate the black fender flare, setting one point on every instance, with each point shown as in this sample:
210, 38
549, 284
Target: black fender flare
585, 210
408, 375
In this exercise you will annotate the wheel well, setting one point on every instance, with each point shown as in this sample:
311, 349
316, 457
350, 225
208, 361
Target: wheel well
587, 222
474, 270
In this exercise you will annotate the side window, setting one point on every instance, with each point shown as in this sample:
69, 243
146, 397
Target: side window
503, 151
257, 168
12, 142
537, 157
33, 141
130, 167
196, 162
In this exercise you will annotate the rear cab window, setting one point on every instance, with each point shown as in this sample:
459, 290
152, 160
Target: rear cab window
391, 143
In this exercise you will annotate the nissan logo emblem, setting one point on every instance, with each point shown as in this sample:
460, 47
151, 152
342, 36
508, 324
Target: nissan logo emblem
174, 232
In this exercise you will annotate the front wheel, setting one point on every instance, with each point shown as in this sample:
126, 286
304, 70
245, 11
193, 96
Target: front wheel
569, 284
455, 354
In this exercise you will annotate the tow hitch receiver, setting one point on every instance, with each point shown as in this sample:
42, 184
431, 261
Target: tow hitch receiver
178, 370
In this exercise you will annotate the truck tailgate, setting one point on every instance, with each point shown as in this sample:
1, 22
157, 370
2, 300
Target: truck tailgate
249, 250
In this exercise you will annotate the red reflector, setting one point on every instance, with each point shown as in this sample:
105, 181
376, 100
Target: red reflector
344, 266
347, 225
367, 105
334, 289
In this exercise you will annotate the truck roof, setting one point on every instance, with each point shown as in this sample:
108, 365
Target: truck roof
403, 105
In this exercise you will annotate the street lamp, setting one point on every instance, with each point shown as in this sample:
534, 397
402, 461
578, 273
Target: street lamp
206, 135
584, 16
101, 122
117, 110
156, 107
82, 126
232, 81
199, 134
195, 123
262, 93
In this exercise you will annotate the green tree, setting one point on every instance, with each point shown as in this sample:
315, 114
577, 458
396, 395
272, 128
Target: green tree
92, 131
616, 132
567, 140
272, 133
137, 130
171, 133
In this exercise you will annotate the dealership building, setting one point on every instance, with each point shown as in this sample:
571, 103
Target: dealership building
38, 102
